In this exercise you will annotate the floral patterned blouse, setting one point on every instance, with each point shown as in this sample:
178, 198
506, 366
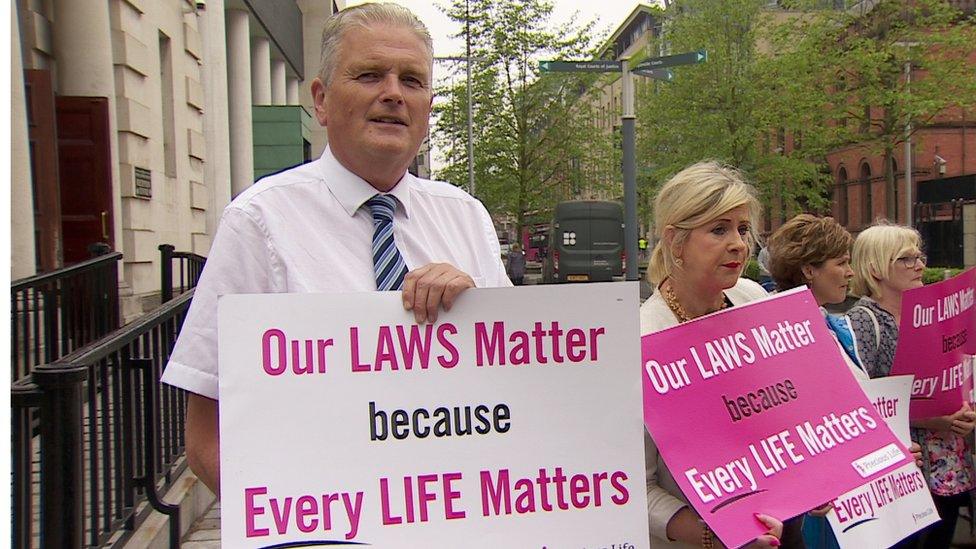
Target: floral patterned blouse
947, 461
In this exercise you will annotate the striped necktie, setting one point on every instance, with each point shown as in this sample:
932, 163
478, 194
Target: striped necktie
388, 265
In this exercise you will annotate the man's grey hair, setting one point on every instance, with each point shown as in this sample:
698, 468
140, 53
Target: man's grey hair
366, 15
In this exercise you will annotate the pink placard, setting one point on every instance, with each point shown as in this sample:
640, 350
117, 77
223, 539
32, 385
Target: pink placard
937, 330
754, 410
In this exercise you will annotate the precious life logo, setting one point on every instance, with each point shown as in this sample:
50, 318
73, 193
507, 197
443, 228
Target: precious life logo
878, 460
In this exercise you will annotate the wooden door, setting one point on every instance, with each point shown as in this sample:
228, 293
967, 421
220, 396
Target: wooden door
42, 140
86, 175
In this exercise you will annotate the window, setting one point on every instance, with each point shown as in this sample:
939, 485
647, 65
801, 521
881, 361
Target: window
168, 121
867, 199
840, 190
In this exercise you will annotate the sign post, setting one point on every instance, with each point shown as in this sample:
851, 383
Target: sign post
689, 58
593, 65
657, 68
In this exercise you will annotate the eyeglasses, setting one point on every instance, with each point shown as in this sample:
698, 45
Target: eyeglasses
909, 261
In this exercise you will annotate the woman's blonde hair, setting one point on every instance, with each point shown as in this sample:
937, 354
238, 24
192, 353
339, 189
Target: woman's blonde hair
695, 196
875, 250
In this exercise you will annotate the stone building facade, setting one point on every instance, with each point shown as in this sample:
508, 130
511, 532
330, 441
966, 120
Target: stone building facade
133, 122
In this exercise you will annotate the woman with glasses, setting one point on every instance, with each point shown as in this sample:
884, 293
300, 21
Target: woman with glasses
888, 260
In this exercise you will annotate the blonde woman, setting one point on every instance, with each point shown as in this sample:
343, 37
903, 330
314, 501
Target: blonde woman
705, 217
888, 260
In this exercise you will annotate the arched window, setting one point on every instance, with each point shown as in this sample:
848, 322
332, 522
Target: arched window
840, 192
867, 207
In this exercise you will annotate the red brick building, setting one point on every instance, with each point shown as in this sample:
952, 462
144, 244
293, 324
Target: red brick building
943, 177
941, 152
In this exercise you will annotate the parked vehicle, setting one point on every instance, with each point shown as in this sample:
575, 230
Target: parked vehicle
586, 242
504, 245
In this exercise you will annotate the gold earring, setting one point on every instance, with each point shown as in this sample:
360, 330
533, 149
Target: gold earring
679, 262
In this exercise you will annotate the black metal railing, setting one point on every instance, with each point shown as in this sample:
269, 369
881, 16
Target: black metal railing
54, 313
109, 436
188, 265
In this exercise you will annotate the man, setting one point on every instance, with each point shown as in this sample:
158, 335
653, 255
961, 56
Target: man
354, 220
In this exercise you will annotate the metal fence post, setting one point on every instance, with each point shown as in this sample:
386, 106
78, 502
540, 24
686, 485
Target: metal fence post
166, 271
62, 451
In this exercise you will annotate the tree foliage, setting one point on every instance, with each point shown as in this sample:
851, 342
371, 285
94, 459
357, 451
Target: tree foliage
784, 87
861, 61
730, 108
529, 129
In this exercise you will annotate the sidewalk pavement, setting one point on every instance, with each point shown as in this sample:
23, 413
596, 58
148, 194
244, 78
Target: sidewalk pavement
205, 532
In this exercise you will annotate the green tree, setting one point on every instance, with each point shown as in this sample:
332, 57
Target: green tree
531, 135
861, 60
733, 107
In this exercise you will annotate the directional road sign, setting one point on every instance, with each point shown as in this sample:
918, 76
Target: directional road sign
689, 58
659, 74
593, 65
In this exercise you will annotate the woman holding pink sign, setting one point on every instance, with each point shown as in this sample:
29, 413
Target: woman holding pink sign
705, 216
815, 252
888, 260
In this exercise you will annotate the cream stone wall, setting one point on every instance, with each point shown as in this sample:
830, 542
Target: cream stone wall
35, 31
215, 194
314, 13
124, 63
179, 132
22, 258
177, 211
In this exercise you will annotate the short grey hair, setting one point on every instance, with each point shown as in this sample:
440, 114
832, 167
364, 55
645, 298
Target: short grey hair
366, 15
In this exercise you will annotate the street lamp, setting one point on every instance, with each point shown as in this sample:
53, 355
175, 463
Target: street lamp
908, 137
467, 63
908, 152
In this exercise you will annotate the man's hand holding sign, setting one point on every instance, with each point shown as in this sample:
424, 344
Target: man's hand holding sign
787, 426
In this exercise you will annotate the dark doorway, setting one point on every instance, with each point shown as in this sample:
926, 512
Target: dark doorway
42, 140
941, 226
86, 175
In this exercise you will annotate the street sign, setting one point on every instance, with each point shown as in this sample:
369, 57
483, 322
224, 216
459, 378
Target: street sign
689, 58
593, 65
660, 74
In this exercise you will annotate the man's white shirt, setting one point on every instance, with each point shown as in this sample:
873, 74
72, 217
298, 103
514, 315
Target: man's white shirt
304, 231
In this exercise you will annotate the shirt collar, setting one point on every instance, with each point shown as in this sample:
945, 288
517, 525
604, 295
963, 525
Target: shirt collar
352, 191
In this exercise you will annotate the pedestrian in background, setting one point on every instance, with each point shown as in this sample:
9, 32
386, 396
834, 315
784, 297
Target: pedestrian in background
352, 220
516, 265
705, 217
888, 260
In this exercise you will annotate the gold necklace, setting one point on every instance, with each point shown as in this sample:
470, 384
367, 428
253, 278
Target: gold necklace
672, 302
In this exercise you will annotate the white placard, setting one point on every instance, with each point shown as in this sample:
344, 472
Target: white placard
343, 421
891, 508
